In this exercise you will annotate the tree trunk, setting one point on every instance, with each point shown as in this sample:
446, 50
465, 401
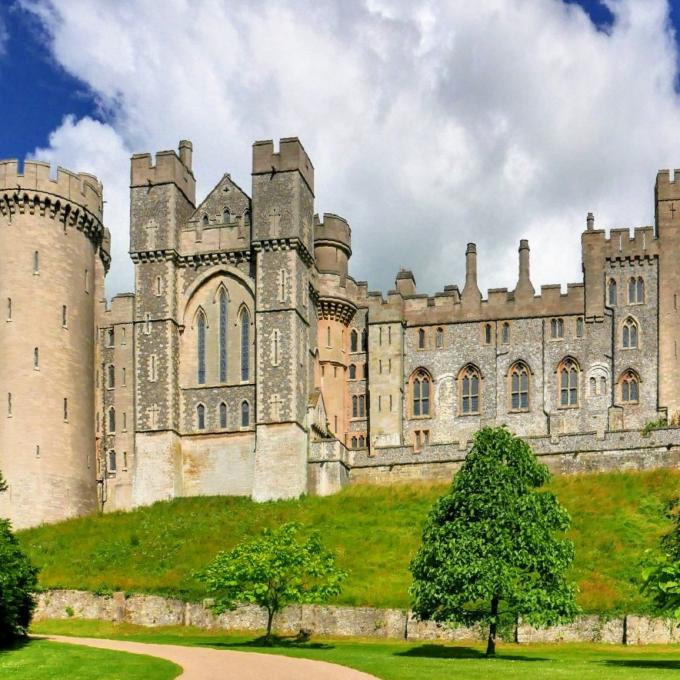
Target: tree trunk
270, 620
493, 626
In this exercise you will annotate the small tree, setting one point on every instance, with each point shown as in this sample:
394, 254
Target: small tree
272, 571
661, 573
490, 552
18, 580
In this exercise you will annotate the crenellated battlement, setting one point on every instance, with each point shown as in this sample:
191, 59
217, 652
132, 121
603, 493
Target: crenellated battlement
168, 167
621, 244
667, 186
83, 189
333, 230
291, 156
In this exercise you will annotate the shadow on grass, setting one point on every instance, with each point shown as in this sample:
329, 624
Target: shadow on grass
14, 644
446, 652
660, 664
276, 641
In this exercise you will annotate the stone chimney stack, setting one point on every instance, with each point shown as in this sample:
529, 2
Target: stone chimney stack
471, 293
590, 222
524, 286
185, 152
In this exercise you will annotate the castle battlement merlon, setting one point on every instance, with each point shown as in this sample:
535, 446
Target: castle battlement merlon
168, 167
290, 156
643, 243
82, 189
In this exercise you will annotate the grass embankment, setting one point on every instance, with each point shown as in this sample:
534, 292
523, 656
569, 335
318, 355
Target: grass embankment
424, 661
43, 660
376, 531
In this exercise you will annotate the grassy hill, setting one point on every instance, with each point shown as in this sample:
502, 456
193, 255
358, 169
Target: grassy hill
376, 531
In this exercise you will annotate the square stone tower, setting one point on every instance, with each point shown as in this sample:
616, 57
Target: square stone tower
283, 207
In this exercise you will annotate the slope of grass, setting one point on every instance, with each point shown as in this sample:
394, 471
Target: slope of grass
394, 660
43, 660
376, 531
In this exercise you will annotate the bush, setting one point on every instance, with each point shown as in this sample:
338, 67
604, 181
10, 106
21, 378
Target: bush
18, 580
653, 425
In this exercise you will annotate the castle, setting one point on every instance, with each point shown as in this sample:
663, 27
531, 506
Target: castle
249, 362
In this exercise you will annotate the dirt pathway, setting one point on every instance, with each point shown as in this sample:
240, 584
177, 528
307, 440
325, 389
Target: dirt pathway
215, 664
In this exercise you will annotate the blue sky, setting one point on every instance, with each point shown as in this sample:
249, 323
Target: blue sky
429, 123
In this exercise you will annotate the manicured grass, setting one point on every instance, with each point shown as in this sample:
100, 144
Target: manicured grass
44, 660
376, 531
422, 661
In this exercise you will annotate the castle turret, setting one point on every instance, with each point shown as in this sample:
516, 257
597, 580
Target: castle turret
332, 244
52, 241
283, 208
162, 199
667, 213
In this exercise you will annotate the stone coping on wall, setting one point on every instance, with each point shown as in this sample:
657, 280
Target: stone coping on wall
336, 621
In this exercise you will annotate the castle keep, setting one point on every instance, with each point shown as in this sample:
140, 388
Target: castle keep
249, 362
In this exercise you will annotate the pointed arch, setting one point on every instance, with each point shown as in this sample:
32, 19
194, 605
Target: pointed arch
200, 416
629, 386
222, 415
611, 293
223, 302
469, 389
568, 378
354, 341
630, 333
201, 327
244, 330
519, 376
420, 383
245, 413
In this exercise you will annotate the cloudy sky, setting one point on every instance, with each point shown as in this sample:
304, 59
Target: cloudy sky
430, 123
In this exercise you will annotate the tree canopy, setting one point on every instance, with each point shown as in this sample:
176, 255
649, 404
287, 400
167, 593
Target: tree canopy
661, 574
492, 551
18, 581
276, 569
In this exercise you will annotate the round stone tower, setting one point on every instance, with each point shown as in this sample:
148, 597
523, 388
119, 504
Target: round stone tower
54, 255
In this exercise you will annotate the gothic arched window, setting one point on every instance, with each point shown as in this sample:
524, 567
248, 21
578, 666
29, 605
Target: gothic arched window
111, 376
468, 385
200, 417
112, 420
245, 414
245, 345
352, 372
630, 387
223, 335
364, 340
353, 341
506, 333
579, 327
611, 293
556, 328
487, 334
636, 290
568, 375
223, 415
200, 346
421, 384
111, 463
629, 333
439, 338
519, 387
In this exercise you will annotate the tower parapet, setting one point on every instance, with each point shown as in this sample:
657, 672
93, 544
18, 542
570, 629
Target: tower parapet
332, 243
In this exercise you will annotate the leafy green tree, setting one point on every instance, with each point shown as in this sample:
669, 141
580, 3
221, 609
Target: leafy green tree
491, 551
18, 581
661, 573
274, 570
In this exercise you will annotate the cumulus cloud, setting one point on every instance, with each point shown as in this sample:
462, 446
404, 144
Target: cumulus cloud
430, 123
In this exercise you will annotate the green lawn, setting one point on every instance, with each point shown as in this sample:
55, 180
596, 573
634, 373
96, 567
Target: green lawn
376, 530
44, 660
422, 661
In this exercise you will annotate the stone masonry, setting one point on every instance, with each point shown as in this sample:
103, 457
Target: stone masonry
249, 362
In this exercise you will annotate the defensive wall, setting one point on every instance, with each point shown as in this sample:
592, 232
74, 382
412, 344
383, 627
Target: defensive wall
332, 466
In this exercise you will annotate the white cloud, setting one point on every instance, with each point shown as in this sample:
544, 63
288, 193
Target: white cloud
429, 123
4, 36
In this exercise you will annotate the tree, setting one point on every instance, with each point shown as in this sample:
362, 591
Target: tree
274, 570
661, 573
18, 581
491, 551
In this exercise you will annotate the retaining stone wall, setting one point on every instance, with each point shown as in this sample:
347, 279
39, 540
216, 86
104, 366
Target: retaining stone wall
151, 610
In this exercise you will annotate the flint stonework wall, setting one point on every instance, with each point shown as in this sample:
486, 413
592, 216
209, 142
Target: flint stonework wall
151, 610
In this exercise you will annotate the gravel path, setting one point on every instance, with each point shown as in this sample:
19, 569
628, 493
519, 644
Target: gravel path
215, 664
